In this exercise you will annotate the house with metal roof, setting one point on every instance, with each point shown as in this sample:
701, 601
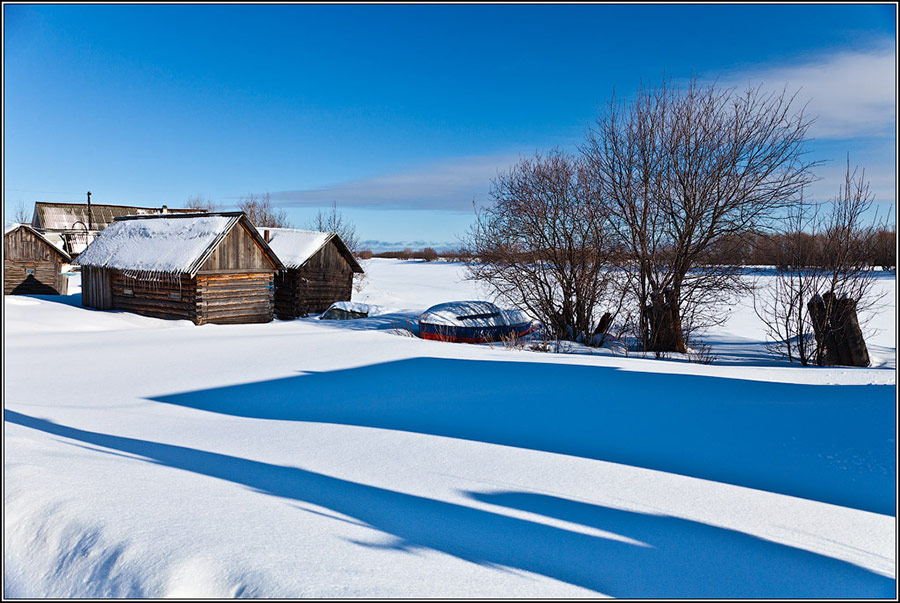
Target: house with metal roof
74, 225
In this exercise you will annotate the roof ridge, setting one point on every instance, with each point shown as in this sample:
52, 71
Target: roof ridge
199, 214
79, 204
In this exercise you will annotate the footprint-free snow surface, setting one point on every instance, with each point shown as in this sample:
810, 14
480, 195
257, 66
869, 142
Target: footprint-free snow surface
308, 458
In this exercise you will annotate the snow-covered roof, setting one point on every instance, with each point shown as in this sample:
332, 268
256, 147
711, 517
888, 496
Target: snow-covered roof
157, 245
294, 247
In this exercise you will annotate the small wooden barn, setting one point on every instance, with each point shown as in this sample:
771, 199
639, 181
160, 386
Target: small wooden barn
319, 271
32, 265
207, 268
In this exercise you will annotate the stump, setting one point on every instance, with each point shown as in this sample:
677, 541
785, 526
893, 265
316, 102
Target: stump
602, 327
838, 335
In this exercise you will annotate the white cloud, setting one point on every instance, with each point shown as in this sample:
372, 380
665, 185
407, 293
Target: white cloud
852, 93
448, 185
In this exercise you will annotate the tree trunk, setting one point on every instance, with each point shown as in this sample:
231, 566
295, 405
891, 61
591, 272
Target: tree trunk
664, 323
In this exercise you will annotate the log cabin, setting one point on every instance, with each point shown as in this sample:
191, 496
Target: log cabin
204, 267
32, 264
319, 271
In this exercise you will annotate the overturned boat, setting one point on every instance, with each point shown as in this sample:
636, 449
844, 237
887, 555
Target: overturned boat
472, 322
345, 310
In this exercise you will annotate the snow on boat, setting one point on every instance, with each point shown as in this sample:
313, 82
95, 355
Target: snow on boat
344, 310
472, 322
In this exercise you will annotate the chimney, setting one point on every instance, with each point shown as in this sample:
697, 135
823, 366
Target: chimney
266, 235
165, 209
89, 211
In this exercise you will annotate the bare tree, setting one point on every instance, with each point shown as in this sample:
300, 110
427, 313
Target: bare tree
683, 168
882, 247
822, 258
200, 202
780, 303
261, 212
21, 216
542, 244
334, 221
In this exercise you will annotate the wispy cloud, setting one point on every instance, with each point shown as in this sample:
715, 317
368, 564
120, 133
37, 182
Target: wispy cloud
449, 185
852, 93
879, 173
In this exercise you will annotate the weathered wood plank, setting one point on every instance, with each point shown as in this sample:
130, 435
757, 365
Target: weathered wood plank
31, 265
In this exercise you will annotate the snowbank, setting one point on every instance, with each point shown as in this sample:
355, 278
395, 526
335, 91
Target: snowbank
306, 458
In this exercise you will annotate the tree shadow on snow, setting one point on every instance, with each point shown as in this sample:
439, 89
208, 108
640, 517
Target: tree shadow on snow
828, 443
673, 558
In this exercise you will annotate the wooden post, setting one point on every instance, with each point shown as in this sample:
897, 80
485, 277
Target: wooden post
89, 211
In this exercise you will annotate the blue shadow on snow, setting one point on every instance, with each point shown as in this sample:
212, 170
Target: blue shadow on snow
833, 444
673, 558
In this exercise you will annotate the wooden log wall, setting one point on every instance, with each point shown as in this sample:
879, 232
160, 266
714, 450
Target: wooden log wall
31, 266
171, 296
288, 300
33, 278
235, 297
96, 291
223, 298
320, 289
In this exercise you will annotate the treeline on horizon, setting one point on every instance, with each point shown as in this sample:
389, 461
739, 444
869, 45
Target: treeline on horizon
876, 248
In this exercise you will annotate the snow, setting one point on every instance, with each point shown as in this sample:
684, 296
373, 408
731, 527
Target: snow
307, 458
294, 246
157, 245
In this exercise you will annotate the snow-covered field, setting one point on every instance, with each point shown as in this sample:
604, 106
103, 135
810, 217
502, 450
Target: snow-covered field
307, 458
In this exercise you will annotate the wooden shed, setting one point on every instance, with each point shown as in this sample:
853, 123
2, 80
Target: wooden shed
319, 271
207, 268
32, 265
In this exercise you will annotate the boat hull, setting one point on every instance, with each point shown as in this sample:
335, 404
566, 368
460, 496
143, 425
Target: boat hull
473, 334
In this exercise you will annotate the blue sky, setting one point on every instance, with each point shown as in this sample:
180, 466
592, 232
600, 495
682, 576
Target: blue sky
399, 114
